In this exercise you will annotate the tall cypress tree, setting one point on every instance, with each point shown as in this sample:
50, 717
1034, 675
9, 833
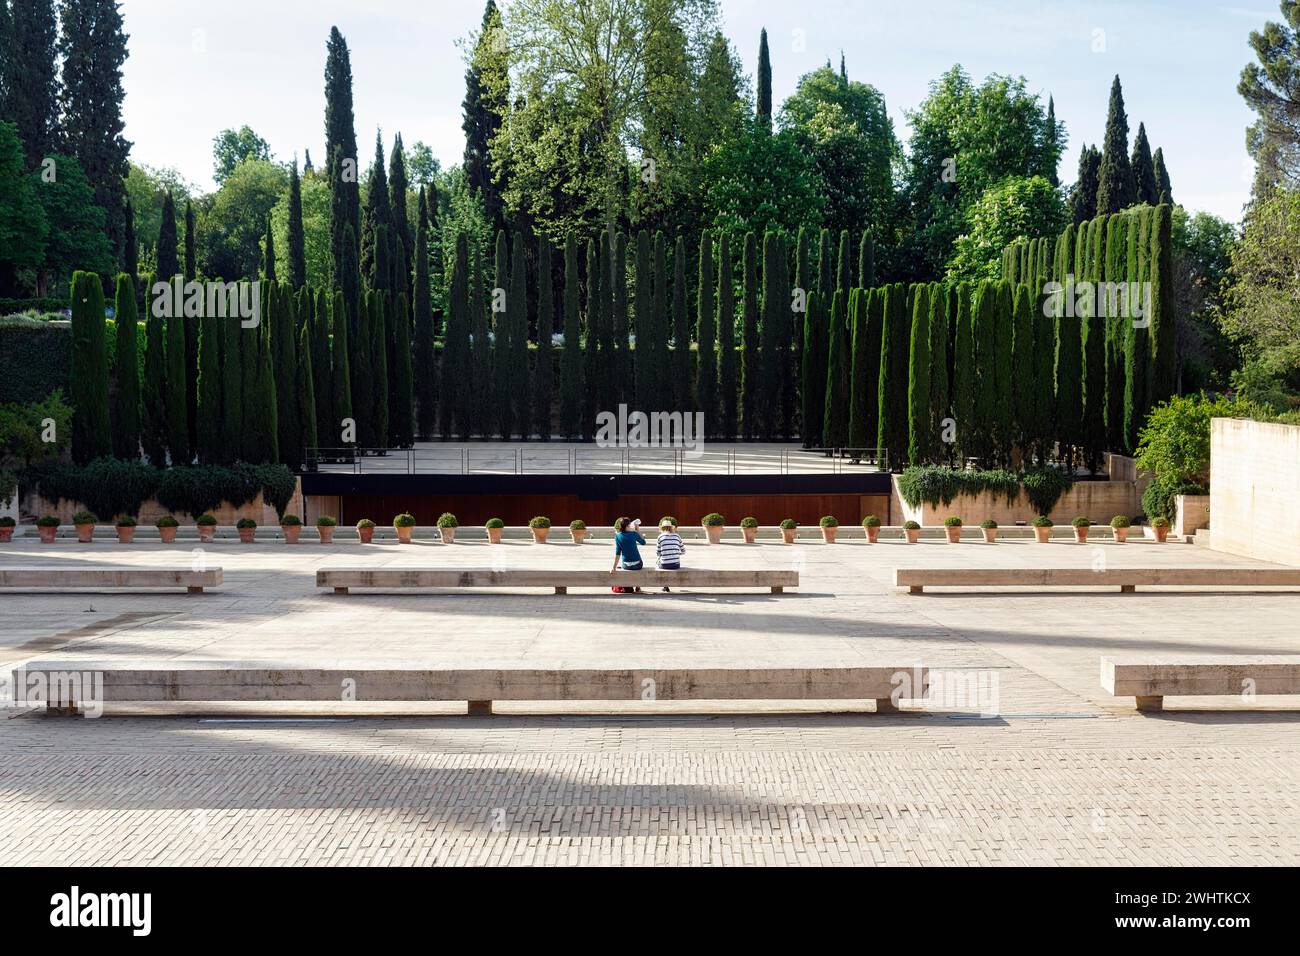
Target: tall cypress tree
485, 107
816, 343
641, 305
984, 323
1164, 191
727, 384
864, 367
1116, 187
504, 386
544, 368
343, 165
1144, 170
706, 367
153, 415
825, 276
659, 319
1069, 381
261, 412
211, 401
1094, 334
517, 352
340, 375
191, 262
1162, 331
284, 361
131, 248
481, 344
297, 238
964, 372
844, 266
1050, 151
379, 369
940, 388
126, 404
770, 386
591, 369
377, 216
426, 374
1024, 386
749, 370
30, 93
764, 108
322, 368
620, 364
364, 394
177, 400
920, 418
683, 398
895, 347
835, 416
402, 410
168, 262
787, 367
1004, 403
571, 360
455, 346
1137, 341
227, 336
399, 221
305, 390
268, 253
867, 261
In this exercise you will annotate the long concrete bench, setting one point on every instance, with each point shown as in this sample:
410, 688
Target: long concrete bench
1151, 680
64, 683
1126, 579
342, 579
81, 578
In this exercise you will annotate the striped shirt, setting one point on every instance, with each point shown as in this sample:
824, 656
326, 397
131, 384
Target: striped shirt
669, 548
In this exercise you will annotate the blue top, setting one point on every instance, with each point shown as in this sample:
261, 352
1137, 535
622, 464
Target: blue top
625, 546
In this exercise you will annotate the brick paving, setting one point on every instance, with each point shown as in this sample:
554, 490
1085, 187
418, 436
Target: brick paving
1063, 775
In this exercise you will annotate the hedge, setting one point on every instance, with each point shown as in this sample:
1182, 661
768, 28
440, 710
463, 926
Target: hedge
37, 359
933, 485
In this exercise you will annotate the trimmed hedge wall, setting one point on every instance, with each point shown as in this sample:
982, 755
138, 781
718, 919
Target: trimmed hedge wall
37, 359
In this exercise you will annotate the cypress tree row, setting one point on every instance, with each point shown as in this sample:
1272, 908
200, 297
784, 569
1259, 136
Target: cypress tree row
620, 365
859, 311
706, 366
727, 384
749, 368
544, 370
1024, 369
867, 261
984, 316
658, 341
305, 390
176, 402
211, 403
1163, 331
835, 414
340, 376
426, 371
895, 347
452, 416
517, 354
964, 369
1004, 341
297, 237
321, 367
168, 261
264, 400
684, 399
501, 348
939, 362
364, 396
401, 413
191, 268
592, 373
844, 267
571, 360
825, 276
786, 368
816, 342
379, 370
284, 354
1094, 333
769, 387
227, 336
1069, 380
478, 411
920, 418
641, 305
1044, 417
91, 434
126, 405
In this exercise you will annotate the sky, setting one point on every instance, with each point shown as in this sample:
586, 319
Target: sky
197, 67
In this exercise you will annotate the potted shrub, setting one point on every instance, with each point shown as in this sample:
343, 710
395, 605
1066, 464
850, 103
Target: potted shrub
1042, 528
494, 526
125, 526
47, 526
952, 528
84, 522
404, 525
713, 524
989, 528
789, 530
540, 527
447, 525
577, 530
291, 525
1081, 526
1160, 525
365, 530
167, 526
7, 525
207, 525
325, 526
912, 530
247, 529
871, 524
749, 529
829, 526
1119, 526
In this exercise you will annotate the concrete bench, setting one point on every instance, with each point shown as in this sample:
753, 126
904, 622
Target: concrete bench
1151, 680
63, 683
1126, 579
342, 579
99, 579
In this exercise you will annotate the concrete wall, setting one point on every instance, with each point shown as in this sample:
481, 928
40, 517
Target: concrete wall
1191, 514
151, 511
1098, 500
1255, 489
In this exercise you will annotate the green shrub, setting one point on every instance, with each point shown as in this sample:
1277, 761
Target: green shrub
911, 526
447, 520
1044, 487
952, 521
988, 524
1174, 444
38, 358
194, 489
245, 523
290, 521
713, 520
7, 522
1161, 499
169, 521
8, 485
105, 486
935, 485
1081, 522
494, 523
124, 521
47, 521
539, 522
404, 520
1042, 521
1120, 521
871, 521
327, 521
206, 520
1160, 522
577, 524
365, 523
85, 517
788, 524
749, 522
829, 521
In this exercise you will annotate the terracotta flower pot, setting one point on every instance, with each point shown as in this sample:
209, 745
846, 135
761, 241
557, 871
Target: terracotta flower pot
1161, 534
749, 534
540, 535
6, 534
167, 535
578, 535
713, 533
365, 534
207, 532
873, 532
125, 534
404, 535
954, 534
448, 535
990, 534
85, 533
246, 535
494, 535
291, 533
1121, 535
828, 534
326, 532
47, 534
1042, 534
1080, 535
788, 535
913, 535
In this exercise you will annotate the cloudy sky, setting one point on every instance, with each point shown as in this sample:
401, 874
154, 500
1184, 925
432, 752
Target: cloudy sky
199, 66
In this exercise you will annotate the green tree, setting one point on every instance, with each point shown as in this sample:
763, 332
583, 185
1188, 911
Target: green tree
516, 354
706, 368
379, 368
340, 377
233, 227
1164, 191
76, 238
23, 226
341, 174
681, 354
770, 359
1147, 190
835, 416
1016, 209
964, 371
764, 111
191, 255
895, 339
942, 306
401, 412
305, 390
642, 300
544, 368
91, 435
1271, 87
816, 343
749, 368
727, 383
167, 251
1116, 187
285, 361
426, 372
920, 418
231, 147
400, 223
452, 408
126, 372
153, 414
229, 336
176, 402
571, 359
486, 104
1083, 195
297, 234
31, 80
322, 366
862, 303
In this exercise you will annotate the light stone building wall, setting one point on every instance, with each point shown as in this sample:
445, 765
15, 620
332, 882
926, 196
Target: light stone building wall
1255, 489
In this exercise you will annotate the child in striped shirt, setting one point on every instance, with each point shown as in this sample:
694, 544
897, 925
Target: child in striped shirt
669, 547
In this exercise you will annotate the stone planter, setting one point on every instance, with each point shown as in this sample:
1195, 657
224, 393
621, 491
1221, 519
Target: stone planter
713, 533
6, 535
207, 532
326, 532
788, 535
494, 535
404, 535
1081, 535
1121, 535
448, 535
954, 534
1041, 535
828, 534
873, 532
292, 532
47, 534
749, 534
125, 534
913, 535
1161, 534
990, 535
168, 535
246, 535
540, 535
85, 533
365, 534
578, 535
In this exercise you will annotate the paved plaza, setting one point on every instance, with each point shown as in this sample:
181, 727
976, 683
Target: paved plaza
1061, 774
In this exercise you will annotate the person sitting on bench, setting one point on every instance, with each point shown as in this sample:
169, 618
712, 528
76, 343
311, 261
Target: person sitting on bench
627, 537
669, 547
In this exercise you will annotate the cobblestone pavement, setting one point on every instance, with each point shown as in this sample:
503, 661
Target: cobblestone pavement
1062, 775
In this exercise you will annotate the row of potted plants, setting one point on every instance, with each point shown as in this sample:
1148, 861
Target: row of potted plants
47, 526
1042, 525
